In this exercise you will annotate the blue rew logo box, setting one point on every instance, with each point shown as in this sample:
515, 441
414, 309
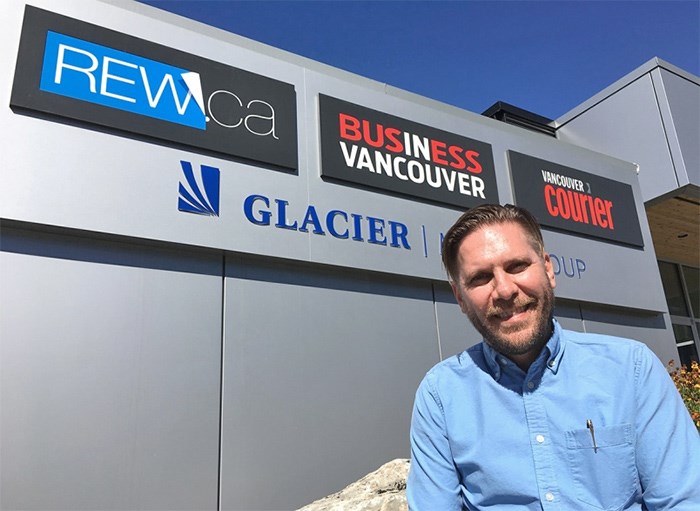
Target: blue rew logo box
84, 73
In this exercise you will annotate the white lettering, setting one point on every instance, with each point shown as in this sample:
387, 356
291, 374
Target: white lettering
167, 80
270, 118
213, 117
349, 158
61, 65
365, 160
106, 62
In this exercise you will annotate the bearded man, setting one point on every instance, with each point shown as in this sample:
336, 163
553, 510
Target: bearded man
535, 416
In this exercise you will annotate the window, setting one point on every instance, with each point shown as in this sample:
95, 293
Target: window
685, 344
673, 288
682, 290
692, 280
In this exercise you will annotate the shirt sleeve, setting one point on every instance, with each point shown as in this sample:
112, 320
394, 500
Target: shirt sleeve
668, 444
433, 481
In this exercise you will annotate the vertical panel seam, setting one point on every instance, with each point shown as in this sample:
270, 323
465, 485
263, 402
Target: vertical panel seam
437, 323
221, 380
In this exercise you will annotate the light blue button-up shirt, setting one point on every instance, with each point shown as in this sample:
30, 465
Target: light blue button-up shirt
487, 435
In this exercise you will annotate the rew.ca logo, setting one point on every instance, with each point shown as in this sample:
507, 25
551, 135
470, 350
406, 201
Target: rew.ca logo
199, 193
115, 79
75, 70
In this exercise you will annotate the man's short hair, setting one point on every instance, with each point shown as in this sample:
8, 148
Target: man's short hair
481, 216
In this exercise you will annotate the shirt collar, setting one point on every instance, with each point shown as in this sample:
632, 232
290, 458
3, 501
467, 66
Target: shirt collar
552, 353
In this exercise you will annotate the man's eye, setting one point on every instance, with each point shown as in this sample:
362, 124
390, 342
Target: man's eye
518, 267
478, 280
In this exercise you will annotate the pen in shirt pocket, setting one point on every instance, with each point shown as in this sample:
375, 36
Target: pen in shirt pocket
589, 425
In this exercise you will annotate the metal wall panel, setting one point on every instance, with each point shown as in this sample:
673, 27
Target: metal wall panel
456, 331
608, 124
651, 329
110, 375
320, 370
682, 98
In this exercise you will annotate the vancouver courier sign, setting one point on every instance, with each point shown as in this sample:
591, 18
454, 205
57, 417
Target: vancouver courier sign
575, 201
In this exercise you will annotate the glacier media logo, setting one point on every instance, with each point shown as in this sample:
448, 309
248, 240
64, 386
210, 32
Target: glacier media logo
199, 193
74, 70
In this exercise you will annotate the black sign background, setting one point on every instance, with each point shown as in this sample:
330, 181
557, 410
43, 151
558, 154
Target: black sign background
333, 162
215, 76
529, 189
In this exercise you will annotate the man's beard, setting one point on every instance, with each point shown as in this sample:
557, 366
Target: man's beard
539, 337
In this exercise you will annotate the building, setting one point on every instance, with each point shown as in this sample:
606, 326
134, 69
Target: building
652, 117
220, 279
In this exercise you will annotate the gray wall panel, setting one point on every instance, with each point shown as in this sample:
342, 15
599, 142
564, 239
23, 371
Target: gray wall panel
109, 381
456, 331
320, 370
633, 109
569, 315
651, 329
683, 125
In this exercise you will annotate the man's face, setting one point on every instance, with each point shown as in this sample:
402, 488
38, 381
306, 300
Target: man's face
506, 288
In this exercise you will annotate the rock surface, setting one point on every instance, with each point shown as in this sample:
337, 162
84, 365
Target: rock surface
382, 490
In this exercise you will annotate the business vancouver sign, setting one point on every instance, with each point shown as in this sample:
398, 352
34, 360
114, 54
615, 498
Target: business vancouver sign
76, 70
381, 151
575, 201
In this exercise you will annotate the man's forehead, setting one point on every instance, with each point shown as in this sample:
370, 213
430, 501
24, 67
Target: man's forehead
492, 232
504, 238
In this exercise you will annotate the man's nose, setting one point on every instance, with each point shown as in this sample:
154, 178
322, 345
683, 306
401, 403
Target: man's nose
504, 286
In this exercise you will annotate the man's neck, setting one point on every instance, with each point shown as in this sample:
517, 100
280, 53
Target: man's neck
525, 360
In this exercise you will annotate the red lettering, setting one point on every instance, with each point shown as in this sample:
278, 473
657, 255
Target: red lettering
563, 204
395, 145
437, 152
575, 203
456, 153
568, 204
548, 193
349, 127
600, 212
476, 166
584, 199
608, 210
367, 134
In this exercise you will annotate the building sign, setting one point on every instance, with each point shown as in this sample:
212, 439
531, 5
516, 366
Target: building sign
381, 151
340, 224
575, 201
72, 69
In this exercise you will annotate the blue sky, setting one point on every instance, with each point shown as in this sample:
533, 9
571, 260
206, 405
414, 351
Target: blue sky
545, 56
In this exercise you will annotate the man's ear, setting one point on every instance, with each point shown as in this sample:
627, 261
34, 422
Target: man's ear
549, 270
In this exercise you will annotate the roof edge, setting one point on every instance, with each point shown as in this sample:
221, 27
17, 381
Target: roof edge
616, 86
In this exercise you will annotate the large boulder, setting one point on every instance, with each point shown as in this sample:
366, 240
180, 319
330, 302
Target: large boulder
382, 490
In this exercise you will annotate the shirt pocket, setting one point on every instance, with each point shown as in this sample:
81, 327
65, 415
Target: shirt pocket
605, 477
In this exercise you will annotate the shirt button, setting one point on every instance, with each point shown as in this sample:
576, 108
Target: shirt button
552, 363
549, 496
540, 439
530, 385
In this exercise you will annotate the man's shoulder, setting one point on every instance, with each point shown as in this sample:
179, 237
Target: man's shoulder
459, 365
602, 342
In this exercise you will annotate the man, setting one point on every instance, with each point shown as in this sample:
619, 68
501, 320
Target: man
537, 417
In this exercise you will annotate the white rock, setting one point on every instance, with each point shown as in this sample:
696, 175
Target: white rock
382, 490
